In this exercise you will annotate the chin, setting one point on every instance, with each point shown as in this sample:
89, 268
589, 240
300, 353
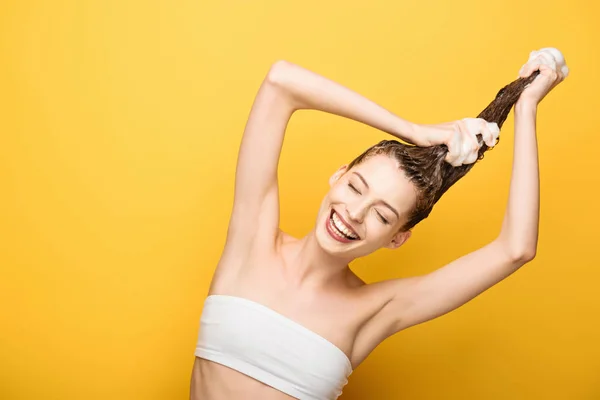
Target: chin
324, 241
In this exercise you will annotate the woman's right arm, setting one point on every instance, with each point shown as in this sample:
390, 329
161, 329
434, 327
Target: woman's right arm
255, 214
308, 90
287, 88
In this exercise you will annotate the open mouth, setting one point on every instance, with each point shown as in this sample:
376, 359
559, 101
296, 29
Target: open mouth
339, 230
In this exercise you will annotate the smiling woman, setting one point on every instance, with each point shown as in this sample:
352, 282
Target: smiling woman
372, 199
286, 317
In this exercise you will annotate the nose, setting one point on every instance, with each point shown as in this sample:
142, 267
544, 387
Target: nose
356, 212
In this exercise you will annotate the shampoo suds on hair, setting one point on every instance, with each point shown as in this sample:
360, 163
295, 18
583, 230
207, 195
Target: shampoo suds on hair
549, 56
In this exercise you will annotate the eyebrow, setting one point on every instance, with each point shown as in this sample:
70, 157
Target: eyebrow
383, 201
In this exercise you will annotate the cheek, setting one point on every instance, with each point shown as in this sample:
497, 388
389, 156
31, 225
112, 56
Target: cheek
338, 192
377, 231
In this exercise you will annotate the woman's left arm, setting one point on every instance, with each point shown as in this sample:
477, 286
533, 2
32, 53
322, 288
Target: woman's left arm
418, 299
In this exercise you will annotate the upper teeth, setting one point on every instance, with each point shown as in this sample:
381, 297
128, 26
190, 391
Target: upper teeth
342, 227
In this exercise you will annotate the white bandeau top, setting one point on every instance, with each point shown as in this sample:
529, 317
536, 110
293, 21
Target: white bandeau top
271, 348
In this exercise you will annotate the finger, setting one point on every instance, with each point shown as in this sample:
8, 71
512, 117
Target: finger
549, 74
490, 133
471, 149
454, 146
547, 59
472, 157
495, 131
465, 145
476, 126
525, 70
458, 153
547, 70
464, 149
465, 142
452, 158
528, 69
531, 66
483, 131
470, 128
486, 134
537, 58
472, 125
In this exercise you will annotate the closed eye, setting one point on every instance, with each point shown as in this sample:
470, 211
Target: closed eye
382, 218
354, 189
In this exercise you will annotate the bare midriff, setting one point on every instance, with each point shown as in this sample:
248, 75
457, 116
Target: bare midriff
213, 381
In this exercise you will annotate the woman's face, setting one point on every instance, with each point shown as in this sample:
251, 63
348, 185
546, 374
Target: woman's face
365, 208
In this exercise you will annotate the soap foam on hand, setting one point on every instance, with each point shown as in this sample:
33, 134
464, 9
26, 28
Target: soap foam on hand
551, 57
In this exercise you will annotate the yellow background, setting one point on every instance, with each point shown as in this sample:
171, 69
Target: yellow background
120, 123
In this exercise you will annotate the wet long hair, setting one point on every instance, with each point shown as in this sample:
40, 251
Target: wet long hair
426, 167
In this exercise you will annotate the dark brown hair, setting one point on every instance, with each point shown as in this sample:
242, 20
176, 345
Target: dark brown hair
426, 168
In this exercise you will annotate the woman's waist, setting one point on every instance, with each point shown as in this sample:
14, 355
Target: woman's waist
213, 381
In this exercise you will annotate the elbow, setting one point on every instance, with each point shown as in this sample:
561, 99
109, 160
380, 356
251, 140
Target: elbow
519, 254
282, 79
278, 72
522, 255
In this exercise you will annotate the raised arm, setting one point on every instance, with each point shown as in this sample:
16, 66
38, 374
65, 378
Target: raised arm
418, 299
429, 296
287, 88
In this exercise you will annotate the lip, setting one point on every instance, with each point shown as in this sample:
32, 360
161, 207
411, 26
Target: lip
334, 235
345, 223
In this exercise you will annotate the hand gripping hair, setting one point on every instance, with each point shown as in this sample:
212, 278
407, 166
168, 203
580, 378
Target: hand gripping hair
426, 166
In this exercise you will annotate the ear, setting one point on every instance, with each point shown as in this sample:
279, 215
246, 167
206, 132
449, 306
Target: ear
338, 174
399, 239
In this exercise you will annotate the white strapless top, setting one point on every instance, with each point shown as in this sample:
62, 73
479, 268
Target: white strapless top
271, 348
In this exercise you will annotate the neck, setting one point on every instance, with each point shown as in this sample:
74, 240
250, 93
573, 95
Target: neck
315, 267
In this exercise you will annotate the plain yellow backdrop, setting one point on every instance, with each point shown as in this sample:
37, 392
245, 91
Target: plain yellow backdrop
120, 123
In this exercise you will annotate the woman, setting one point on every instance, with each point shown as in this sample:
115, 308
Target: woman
286, 318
